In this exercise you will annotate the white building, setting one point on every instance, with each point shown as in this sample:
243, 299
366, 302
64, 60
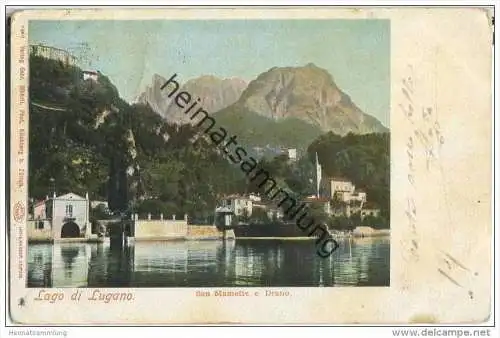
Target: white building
69, 215
39, 210
339, 184
375, 212
275, 213
94, 204
238, 204
343, 190
347, 200
350, 197
254, 198
223, 216
90, 74
271, 210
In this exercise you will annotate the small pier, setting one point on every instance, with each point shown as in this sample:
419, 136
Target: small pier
223, 222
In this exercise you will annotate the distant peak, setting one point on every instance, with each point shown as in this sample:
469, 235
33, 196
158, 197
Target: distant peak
311, 65
209, 77
158, 77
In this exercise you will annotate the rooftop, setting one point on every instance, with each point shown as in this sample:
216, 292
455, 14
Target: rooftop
235, 196
311, 199
69, 196
37, 203
93, 72
340, 179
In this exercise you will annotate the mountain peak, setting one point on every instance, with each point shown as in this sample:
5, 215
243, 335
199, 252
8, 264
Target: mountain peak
157, 77
214, 93
308, 93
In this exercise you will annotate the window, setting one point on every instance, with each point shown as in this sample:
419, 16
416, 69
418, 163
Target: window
69, 210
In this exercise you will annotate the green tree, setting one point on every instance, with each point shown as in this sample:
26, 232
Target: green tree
364, 159
317, 212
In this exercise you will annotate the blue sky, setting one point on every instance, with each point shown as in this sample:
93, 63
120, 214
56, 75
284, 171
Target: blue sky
355, 52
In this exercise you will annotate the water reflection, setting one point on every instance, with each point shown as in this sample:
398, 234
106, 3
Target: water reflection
360, 262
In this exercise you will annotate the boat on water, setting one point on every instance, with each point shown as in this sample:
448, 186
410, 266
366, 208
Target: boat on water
269, 230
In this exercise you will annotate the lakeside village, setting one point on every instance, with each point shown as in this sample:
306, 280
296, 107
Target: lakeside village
345, 210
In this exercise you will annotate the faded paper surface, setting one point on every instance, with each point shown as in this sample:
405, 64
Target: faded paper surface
441, 224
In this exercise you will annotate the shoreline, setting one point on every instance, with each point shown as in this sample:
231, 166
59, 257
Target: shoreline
198, 232
65, 240
192, 239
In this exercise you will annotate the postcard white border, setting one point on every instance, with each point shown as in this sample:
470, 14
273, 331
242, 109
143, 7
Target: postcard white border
418, 292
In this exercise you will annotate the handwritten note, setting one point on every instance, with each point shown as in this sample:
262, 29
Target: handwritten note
456, 272
407, 108
424, 143
429, 136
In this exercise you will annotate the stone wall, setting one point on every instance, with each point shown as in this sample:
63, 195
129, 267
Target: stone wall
36, 234
203, 232
160, 229
364, 231
40, 235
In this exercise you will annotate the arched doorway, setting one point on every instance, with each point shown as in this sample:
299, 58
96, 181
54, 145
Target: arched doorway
70, 229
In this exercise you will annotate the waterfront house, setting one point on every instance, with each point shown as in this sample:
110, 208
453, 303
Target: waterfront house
340, 185
272, 211
238, 204
346, 198
39, 209
324, 202
223, 217
65, 216
370, 210
69, 215
275, 213
38, 225
345, 191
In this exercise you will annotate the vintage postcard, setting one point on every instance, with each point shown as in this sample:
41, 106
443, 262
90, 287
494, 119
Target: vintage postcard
251, 166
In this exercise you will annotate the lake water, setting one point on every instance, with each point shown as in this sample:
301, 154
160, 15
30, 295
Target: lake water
357, 262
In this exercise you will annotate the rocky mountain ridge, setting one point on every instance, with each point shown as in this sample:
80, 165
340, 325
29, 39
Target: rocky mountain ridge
307, 93
214, 93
